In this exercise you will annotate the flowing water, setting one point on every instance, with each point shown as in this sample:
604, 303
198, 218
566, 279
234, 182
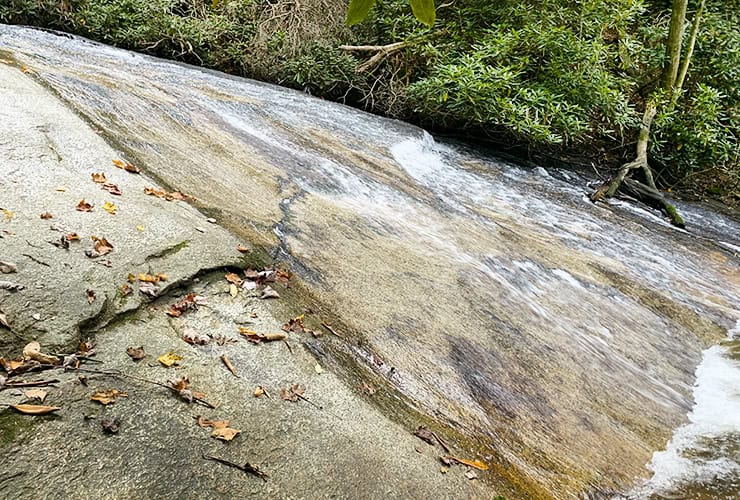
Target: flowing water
580, 349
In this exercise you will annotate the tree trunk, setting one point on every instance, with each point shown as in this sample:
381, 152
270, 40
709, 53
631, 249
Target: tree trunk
673, 45
674, 74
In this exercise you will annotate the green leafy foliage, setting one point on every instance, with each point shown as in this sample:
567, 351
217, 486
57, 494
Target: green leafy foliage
358, 10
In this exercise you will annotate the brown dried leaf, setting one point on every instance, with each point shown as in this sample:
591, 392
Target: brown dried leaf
136, 353
228, 364
295, 325
256, 338
101, 247
242, 249
233, 278
148, 278
424, 434
111, 188
72, 237
108, 397
46, 215
39, 394
194, 337
128, 167
32, 350
190, 301
35, 409
90, 294
292, 393
99, 178
225, 433
477, 464
125, 290
83, 206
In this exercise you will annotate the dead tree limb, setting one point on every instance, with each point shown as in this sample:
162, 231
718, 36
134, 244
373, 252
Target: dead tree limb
381, 52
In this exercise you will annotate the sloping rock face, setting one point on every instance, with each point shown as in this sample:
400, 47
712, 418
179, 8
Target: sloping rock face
331, 443
557, 338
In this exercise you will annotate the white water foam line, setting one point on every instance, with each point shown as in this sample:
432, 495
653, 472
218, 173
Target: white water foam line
690, 457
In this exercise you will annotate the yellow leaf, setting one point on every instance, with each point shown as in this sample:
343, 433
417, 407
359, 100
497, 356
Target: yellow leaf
8, 214
110, 208
139, 227
169, 359
35, 409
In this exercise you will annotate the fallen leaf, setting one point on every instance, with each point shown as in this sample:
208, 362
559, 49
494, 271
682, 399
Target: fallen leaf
228, 364
111, 188
424, 434
125, 290
256, 338
62, 242
131, 278
8, 214
169, 359
260, 391
318, 369
99, 178
46, 215
292, 393
215, 424
369, 389
111, 425
233, 278
194, 337
101, 247
149, 289
90, 296
108, 397
225, 433
161, 277
35, 394
7, 267
35, 409
174, 195
148, 278
470, 463
32, 350
109, 207
190, 301
140, 228
84, 206
233, 290
243, 249
86, 348
269, 293
72, 237
128, 167
136, 353
11, 365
